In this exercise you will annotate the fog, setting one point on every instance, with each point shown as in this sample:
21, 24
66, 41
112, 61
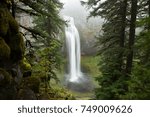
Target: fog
74, 9
88, 29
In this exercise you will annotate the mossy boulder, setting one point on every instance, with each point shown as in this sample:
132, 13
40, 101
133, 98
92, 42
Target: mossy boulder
12, 50
25, 68
4, 23
4, 50
5, 78
16, 43
9, 31
25, 65
13, 25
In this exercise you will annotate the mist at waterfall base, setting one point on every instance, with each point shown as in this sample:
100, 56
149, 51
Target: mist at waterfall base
75, 79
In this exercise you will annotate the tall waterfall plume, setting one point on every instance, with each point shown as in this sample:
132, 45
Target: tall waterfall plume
73, 50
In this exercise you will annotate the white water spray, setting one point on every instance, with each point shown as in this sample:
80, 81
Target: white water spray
73, 47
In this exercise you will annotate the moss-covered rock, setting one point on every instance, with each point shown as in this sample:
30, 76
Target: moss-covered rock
4, 25
9, 31
25, 65
5, 78
4, 50
11, 52
25, 68
13, 25
16, 43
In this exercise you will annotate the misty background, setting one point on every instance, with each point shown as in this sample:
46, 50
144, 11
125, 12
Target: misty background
88, 29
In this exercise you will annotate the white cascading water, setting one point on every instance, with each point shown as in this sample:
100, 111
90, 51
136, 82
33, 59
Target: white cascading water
73, 48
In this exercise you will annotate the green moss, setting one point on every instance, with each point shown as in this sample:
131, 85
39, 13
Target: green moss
4, 49
24, 64
16, 44
9, 28
61, 94
5, 78
56, 93
12, 50
3, 22
13, 25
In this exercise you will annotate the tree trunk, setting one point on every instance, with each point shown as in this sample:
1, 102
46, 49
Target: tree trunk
131, 37
122, 33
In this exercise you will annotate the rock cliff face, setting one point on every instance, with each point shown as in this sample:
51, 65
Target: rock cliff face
25, 20
11, 54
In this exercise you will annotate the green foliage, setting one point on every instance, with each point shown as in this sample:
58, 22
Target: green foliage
12, 43
112, 83
47, 46
143, 22
89, 63
49, 61
115, 49
47, 19
58, 93
111, 47
139, 85
143, 40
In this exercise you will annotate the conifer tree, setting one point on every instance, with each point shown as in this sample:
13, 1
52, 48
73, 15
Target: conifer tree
48, 26
140, 81
125, 56
45, 33
112, 46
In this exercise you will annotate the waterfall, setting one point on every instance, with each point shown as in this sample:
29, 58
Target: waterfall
73, 49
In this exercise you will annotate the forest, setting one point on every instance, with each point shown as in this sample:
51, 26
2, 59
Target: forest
46, 56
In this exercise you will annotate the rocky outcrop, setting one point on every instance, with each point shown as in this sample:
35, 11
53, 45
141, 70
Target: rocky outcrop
12, 49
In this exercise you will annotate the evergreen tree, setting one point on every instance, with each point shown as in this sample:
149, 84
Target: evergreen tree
140, 81
125, 61
44, 35
48, 24
112, 47
143, 38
